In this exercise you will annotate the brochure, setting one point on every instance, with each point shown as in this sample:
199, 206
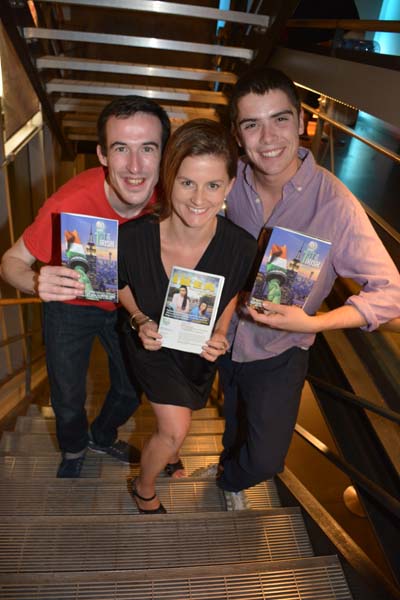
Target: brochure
89, 245
290, 263
190, 308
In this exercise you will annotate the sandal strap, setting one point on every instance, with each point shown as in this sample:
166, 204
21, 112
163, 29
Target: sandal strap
136, 493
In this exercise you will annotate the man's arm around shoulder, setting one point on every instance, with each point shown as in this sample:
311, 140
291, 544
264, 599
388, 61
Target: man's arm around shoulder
51, 283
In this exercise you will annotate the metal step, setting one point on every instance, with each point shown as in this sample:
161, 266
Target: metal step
59, 497
38, 444
108, 469
96, 497
145, 409
95, 465
318, 578
136, 423
87, 544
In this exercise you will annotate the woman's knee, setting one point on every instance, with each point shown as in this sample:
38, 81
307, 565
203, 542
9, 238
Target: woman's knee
173, 438
173, 431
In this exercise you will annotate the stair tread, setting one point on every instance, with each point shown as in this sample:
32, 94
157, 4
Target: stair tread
95, 466
317, 578
144, 424
62, 545
144, 410
46, 443
96, 496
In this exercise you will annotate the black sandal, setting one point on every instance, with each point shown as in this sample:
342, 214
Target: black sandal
171, 468
153, 511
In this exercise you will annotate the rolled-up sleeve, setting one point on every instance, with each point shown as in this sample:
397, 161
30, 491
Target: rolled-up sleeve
361, 256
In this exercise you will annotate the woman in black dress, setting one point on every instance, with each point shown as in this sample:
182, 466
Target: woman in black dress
197, 172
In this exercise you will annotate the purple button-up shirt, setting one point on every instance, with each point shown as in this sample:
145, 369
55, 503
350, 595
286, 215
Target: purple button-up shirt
315, 202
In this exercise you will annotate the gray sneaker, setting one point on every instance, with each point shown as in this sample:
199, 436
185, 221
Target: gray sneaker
119, 449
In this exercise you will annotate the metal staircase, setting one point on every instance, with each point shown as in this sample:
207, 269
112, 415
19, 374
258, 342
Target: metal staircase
84, 539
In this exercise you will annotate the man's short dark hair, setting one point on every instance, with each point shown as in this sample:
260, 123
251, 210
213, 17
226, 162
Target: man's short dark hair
127, 106
261, 81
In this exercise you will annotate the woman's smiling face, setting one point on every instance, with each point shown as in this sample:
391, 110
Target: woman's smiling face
199, 190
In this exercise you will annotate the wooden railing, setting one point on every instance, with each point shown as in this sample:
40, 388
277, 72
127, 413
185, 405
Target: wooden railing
27, 337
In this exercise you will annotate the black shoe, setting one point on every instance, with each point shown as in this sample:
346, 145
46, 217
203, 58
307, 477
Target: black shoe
119, 449
171, 468
160, 510
70, 467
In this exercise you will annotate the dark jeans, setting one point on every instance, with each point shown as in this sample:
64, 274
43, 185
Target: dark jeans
261, 402
69, 333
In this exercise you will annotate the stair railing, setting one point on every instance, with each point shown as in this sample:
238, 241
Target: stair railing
385, 499
26, 337
363, 455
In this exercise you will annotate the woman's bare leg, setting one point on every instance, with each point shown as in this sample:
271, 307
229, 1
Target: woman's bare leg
173, 423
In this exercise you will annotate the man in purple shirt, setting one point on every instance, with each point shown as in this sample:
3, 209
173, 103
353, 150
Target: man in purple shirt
279, 183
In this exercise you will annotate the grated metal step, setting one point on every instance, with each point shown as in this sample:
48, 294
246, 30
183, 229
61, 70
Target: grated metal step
139, 424
319, 578
97, 497
38, 444
95, 465
93, 408
62, 545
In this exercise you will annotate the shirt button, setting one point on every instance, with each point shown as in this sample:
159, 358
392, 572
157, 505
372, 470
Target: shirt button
257, 201
299, 188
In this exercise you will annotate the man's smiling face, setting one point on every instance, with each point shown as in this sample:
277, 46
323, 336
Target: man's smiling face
133, 161
268, 128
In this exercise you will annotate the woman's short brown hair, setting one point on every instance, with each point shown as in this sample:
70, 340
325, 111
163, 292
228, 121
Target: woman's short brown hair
195, 138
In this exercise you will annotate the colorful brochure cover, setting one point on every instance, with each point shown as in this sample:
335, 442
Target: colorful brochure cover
190, 308
290, 265
89, 245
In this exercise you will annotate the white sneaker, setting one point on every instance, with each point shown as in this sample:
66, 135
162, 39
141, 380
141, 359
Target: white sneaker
236, 500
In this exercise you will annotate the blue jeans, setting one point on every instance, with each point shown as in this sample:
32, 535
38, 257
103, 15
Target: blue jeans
261, 402
69, 333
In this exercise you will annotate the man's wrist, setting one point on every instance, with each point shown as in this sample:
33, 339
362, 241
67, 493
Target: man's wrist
35, 284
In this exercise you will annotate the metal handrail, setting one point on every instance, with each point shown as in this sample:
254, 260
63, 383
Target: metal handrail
352, 133
351, 24
377, 147
377, 492
353, 398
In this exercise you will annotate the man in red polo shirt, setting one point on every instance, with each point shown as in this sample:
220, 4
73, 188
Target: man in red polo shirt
132, 132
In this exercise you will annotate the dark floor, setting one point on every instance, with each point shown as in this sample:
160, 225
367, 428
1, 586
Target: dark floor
371, 176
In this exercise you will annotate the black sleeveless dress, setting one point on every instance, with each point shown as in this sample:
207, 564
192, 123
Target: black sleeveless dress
171, 376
